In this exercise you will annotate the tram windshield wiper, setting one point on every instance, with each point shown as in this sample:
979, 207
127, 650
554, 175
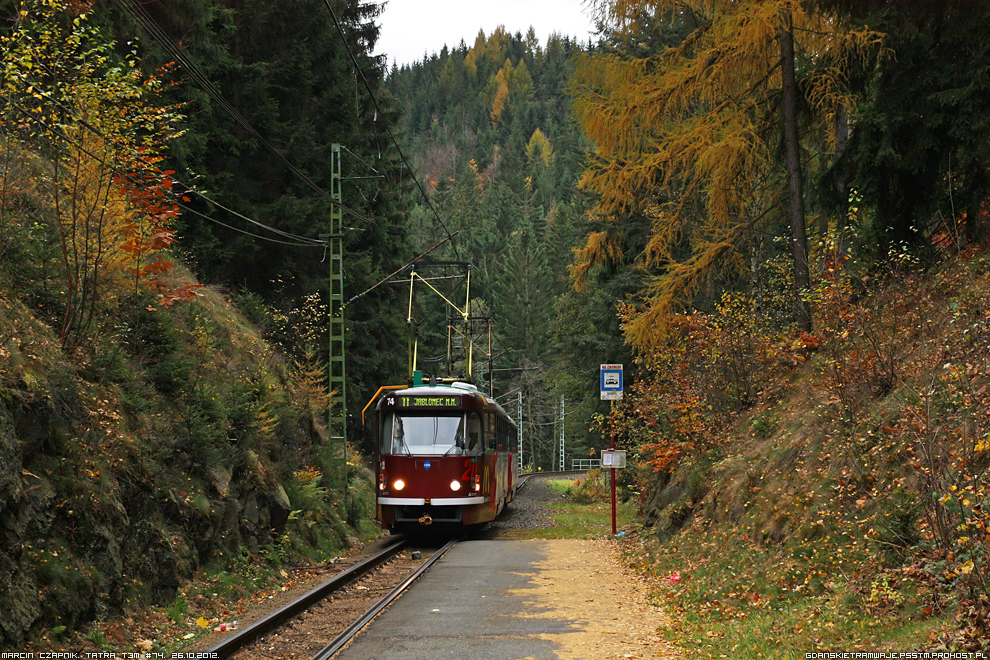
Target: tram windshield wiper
399, 441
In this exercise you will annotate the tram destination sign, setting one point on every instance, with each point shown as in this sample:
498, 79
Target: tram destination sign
429, 401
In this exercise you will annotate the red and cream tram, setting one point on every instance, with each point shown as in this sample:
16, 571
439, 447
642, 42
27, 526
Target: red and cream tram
446, 455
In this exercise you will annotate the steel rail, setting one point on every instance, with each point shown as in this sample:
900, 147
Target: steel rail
228, 646
341, 640
526, 476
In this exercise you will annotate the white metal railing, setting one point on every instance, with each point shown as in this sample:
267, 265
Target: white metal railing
586, 463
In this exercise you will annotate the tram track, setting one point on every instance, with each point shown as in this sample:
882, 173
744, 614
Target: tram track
524, 477
324, 619
344, 637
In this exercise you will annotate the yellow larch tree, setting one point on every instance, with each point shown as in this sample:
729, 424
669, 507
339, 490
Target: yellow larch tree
687, 135
511, 84
539, 150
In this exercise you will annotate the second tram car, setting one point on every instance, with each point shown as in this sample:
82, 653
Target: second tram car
446, 456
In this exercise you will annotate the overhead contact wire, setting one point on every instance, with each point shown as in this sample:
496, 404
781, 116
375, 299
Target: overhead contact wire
378, 109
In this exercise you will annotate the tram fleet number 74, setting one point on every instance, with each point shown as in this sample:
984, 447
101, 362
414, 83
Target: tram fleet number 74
445, 456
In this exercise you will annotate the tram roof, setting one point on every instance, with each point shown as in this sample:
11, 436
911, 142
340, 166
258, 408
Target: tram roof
442, 390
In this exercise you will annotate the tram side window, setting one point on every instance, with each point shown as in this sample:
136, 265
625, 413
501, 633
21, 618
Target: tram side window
386, 434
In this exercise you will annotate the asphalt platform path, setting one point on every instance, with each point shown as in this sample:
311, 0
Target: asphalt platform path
467, 607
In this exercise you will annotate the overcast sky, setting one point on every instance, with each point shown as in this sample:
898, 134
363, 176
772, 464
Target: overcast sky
412, 28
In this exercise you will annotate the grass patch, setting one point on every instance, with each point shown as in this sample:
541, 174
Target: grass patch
733, 598
178, 611
586, 521
579, 520
560, 486
244, 579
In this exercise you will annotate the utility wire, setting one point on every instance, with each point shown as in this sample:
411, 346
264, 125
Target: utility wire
304, 241
134, 8
247, 233
137, 11
378, 110
147, 21
307, 242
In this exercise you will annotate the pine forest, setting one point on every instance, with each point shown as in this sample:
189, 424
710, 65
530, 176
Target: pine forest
773, 213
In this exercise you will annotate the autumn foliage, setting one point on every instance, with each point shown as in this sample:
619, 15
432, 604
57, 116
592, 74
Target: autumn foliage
889, 404
94, 119
694, 384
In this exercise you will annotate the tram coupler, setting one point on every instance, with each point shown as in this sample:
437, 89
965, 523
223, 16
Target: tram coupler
425, 520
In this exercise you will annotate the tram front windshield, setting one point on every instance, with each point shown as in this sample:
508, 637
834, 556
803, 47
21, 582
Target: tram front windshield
431, 434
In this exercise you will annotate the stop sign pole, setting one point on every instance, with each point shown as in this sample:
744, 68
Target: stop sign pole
611, 424
610, 379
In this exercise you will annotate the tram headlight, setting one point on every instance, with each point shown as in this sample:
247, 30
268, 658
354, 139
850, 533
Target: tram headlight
399, 484
455, 485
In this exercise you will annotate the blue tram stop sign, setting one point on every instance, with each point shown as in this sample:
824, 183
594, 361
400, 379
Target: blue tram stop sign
611, 382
